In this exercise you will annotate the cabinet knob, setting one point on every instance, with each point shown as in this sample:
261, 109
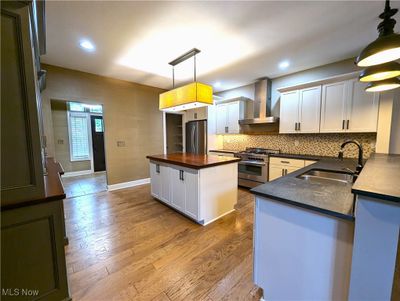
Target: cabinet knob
348, 123
343, 121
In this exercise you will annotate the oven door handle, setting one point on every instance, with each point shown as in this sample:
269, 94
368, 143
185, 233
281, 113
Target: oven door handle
254, 163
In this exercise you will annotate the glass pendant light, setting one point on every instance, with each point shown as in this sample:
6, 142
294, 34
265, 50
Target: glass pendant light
386, 47
383, 85
380, 72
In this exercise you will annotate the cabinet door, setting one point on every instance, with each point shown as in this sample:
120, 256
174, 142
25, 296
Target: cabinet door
165, 184
233, 117
290, 169
222, 114
275, 171
155, 180
192, 195
178, 190
310, 110
21, 152
362, 108
333, 107
289, 112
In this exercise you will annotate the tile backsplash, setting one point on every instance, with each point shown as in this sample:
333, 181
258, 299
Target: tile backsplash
310, 144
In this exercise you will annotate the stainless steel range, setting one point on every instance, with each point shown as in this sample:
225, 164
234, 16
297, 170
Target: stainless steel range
253, 169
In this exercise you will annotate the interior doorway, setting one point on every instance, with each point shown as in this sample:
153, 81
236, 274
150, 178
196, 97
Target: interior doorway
79, 146
174, 131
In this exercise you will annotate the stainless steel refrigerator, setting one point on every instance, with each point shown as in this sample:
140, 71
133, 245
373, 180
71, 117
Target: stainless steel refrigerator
196, 137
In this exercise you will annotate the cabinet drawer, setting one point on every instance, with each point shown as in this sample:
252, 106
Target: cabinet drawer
286, 162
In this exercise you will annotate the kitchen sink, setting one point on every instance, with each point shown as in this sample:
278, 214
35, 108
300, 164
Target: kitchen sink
324, 176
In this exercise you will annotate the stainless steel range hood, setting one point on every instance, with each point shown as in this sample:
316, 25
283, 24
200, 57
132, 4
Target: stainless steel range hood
262, 104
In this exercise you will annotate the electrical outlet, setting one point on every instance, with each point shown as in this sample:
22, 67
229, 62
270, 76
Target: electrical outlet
121, 143
296, 143
60, 141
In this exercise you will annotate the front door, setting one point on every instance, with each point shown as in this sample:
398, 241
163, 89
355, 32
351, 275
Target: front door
99, 162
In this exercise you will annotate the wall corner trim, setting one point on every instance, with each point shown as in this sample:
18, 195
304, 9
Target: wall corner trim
128, 184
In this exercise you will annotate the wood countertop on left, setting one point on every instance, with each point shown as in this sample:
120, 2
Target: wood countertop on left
53, 188
192, 160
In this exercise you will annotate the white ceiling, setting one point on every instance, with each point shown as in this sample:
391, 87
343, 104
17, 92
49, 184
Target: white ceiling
239, 41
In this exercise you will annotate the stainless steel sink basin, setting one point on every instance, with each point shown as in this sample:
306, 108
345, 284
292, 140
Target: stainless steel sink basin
324, 176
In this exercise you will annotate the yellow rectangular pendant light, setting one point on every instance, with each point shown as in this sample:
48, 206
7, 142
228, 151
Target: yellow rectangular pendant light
193, 95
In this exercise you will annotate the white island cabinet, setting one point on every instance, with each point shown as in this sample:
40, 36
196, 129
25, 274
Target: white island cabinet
202, 194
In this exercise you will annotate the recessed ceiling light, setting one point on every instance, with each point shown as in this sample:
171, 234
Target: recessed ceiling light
87, 45
284, 64
217, 84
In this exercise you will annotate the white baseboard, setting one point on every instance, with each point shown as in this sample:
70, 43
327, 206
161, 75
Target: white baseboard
128, 184
77, 173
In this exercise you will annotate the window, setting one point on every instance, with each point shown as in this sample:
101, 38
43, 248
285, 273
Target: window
78, 136
76, 106
98, 125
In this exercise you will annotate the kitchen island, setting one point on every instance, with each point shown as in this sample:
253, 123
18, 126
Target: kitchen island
202, 187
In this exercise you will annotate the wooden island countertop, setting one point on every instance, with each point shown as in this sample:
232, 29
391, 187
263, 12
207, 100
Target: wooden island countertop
192, 160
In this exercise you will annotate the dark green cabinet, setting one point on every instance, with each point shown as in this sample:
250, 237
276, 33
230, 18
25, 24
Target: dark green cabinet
32, 253
32, 230
21, 151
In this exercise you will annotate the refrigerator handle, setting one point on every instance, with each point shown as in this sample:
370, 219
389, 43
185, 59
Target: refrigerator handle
192, 136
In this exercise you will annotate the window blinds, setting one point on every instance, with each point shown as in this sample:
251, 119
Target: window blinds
79, 136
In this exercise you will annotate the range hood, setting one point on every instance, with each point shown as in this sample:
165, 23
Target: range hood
262, 104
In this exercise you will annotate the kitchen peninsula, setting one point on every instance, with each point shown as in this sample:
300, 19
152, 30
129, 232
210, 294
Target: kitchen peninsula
202, 187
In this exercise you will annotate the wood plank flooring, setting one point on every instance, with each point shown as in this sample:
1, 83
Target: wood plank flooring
85, 184
124, 245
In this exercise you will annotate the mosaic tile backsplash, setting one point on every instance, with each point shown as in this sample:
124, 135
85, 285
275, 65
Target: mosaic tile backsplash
305, 144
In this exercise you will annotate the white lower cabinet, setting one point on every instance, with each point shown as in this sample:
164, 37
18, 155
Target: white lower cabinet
176, 186
155, 175
279, 167
203, 195
177, 190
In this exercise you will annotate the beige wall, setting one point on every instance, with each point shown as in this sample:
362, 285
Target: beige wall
61, 138
130, 115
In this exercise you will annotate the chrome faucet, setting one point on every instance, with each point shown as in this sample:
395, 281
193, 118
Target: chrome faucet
360, 155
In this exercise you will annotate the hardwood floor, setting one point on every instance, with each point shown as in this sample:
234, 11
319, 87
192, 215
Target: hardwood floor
124, 245
85, 184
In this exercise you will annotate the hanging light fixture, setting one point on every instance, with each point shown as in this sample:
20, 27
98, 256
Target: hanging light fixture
193, 95
380, 72
386, 47
383, 85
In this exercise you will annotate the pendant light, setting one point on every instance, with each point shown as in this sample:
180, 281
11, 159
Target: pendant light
190, 96
383, 85
380, 72
386, 47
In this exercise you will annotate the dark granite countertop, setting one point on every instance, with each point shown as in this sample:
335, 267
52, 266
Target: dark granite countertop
380, 178
223, 151
300, 156
331, 198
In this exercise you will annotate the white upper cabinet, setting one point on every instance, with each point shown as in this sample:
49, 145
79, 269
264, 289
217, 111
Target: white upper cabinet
333, 107
309, 110
228, 116
222, 116
362, 110
289, 112
346, 107
300, 111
